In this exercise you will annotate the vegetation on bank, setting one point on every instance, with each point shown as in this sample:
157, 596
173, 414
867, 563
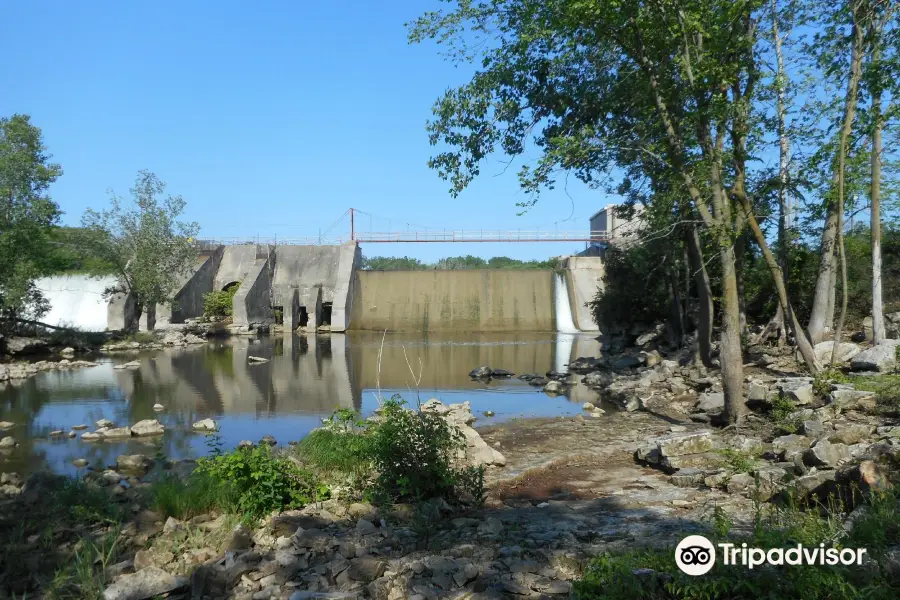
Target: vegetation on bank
651, 573
405, 263
219, 304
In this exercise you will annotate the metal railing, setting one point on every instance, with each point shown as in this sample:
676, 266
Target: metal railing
455, 236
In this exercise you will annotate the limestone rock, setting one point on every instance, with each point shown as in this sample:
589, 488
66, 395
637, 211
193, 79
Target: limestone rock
826, 455
104, 423
134, 364
846, 351
146, 583
851, 434
147, 427
89, 436
798, 389
8, 442
6, 425
366, 568
120, 432
711, 402
554, 387
882, 357
870, 476
159, 407
788, 446
257, 359
24, 346
680, 445
206, 425
134, 463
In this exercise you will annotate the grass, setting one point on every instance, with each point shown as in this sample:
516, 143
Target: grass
184, 499
886, 388
84, 578
614, 576
781, 410
737, 461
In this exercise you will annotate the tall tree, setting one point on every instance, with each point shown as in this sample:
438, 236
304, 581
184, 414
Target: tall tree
144, 240
27, 215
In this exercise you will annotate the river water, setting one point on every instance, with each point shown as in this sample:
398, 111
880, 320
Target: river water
306, 379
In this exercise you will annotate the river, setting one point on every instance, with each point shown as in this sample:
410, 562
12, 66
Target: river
305, 380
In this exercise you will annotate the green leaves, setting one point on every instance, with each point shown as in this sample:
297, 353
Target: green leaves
27, 215
149, 247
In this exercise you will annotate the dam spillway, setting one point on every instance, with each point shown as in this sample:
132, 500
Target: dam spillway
316, 286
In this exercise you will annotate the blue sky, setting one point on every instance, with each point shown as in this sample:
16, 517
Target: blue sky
270, 118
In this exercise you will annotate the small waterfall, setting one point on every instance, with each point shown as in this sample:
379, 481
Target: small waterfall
564, 321
76, 301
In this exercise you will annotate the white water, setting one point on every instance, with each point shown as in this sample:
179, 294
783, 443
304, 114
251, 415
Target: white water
76, 301
564, 321
565, 324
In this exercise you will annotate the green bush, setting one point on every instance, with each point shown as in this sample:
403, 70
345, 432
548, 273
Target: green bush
823, 380
406, 455
257, 482
219, 304
614, 576
781, 411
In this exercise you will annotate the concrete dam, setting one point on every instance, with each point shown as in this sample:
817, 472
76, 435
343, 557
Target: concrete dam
316, 286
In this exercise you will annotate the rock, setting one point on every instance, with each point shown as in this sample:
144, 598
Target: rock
626, 362
711, 402
870, 476
239, 539
172, 525
146, 583
846, 351
851, 399
6, 425
158, 407
882, 357
489, 413
104, 423
364, 527
739, 483
206, 425
135, 364
68, 352
268, 440
798, 389
193, 340
366, 568
597, 379
23, 346
257, 360
851, 434
554, 387
120, 432
79, 427
501, 373
788, 446
80, 462
824, 454
246, 444
812, 428
587, 406
147, 427
480, 372
173, 338
682, 444
687, 477
91, 437
8, 442
813, 482
134, 463
597, 413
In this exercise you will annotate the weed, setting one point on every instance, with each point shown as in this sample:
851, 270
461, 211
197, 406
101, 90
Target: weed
781, 410
261, 482
824, 379
737, 461
85, 576
197, 494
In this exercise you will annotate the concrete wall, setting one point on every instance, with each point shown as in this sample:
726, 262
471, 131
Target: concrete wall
345, 282
584, 276
252, 302
476, 300
236, 264
189, 299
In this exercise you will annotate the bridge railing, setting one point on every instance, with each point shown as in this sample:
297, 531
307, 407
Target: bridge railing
458, 236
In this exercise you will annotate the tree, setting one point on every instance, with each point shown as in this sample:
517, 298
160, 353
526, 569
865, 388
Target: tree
149, 248
26, 217
598, 86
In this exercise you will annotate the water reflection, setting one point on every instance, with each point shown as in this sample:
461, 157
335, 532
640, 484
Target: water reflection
305, 379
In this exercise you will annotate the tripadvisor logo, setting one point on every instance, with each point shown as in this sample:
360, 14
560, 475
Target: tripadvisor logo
696, 555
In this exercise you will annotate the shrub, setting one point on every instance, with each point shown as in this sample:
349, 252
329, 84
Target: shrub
341, 446
781, 411
823, 380
219, 303
737, 461
261, 482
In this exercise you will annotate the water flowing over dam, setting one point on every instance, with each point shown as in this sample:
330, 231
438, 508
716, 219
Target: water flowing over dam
76, 301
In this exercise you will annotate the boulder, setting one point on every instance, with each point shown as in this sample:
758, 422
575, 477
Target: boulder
846, 351
554, 387
206, 425
788, 446
173, 338
134, 463
882, 357
501, 373
68, 352
8, 442
22, 346
268, 440
193, 339
120, 432
149, 582
158, 407
851, 399
680, 445
824, 454
135, 364
104, 423
626, 362
711, 402
869, 476
851, 433
91, 437
597, 379
147, 427
5, 425
480, 372
798, 389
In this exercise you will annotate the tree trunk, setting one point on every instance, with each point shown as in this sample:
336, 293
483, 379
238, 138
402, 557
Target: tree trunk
822, 314
730, 354
134, 319
677, 314
740, 252
849, 114
704, 296
878, 331
784, 148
